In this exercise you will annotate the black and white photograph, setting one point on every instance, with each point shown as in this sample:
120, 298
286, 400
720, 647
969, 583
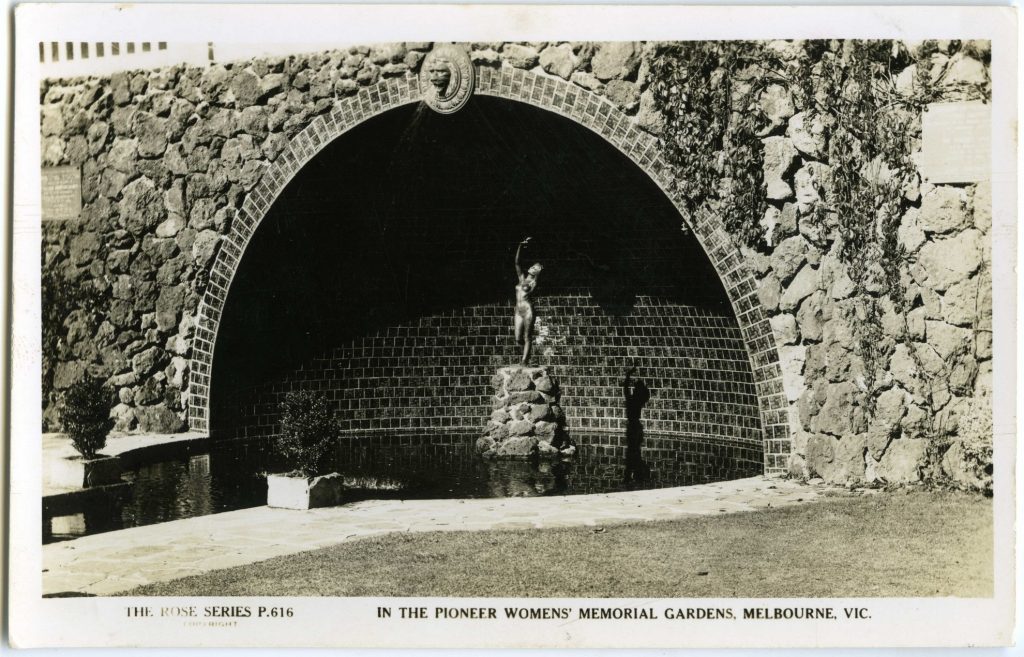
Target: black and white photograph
576, 342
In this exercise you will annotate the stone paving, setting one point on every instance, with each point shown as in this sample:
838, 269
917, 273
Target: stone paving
103, 564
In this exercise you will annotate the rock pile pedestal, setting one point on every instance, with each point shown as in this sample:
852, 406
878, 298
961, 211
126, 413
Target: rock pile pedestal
527, 419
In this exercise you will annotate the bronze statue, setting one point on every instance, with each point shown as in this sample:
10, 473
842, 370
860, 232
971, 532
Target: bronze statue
524, 305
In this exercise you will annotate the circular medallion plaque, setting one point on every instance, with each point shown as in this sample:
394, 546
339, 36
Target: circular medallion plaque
446, 78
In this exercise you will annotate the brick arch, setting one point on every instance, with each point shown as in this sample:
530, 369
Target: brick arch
556, 95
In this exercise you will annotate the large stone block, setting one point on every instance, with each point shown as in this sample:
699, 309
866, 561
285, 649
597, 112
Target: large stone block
546, 430
625, 95
245, 87
890, 407
801, 287
158, 419
836, 460
947, 340
807, 131
149, 392
520, 427
944, 262
902, 462
520, 56
539, 412
954, 417
497, 432
965, 303
791, 359
559, 60
909, 232
943, 210
485, 57
205, 247
151, 132
615, 60
769, 292
124, 417
796, 467
788, 256
785, 329
141, 207
520, 380
776, 102
836, 416
517, 447
169, 306
968, 465
809, 318
649, 117
528, 396
779, 154
122, 155
84, 247
546, 385
811, 184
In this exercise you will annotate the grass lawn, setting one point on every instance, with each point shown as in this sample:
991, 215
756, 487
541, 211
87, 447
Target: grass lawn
889, 544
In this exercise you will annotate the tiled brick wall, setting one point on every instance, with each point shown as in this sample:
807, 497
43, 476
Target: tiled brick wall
584, 109
434, 373
396, 297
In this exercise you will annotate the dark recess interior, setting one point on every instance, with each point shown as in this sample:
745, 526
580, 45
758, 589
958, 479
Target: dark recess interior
413, 213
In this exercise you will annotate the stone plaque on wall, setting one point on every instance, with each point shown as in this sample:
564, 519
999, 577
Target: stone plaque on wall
62, 193
956, 144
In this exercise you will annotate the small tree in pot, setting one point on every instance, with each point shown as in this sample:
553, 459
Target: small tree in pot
85, 416
309, 432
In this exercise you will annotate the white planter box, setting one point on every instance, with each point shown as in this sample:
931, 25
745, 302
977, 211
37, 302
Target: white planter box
302, 493
77, 472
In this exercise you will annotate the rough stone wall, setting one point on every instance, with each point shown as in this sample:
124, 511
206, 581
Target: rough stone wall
167, 157
933, 378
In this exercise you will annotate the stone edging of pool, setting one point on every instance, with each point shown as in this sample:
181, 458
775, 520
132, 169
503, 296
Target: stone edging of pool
127, 447
112, 562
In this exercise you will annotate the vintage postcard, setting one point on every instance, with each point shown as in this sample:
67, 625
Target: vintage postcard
495, 326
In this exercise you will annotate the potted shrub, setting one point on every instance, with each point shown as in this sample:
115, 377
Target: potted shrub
309, 432
85, 416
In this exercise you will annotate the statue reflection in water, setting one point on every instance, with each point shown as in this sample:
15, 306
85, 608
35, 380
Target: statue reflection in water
636, 395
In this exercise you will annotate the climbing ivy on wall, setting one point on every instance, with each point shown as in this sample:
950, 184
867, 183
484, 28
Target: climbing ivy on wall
707, 92
64, 294
866, 99
873, 180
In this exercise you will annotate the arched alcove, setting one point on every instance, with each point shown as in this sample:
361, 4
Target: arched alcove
762, 378
383, 275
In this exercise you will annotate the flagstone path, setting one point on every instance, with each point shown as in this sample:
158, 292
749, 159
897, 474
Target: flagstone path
103, 564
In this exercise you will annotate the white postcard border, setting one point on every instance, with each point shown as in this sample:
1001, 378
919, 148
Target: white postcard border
102, 621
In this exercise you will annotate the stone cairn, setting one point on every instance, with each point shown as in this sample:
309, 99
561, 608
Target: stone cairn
527, 419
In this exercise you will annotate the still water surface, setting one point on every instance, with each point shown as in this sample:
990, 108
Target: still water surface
211, 477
